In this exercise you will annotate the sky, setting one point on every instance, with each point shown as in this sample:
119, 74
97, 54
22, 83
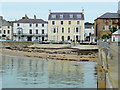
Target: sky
16, 10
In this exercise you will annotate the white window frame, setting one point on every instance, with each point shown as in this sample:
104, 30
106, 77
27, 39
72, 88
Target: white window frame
53, 16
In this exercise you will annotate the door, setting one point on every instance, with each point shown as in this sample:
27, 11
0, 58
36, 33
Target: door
29, 38
62, 38
42, 38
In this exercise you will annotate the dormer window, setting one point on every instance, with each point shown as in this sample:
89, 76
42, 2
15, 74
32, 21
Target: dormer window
78, 15
71, 15
53, 16
61, 16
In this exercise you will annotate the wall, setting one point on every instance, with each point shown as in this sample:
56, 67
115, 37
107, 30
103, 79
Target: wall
6, 30
99, 30
16, 44
65, 26
26, 28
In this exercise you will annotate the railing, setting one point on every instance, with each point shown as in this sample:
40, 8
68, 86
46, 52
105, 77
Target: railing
33, 34
103, 64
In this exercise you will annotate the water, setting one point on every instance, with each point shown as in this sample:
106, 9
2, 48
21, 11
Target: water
23, 72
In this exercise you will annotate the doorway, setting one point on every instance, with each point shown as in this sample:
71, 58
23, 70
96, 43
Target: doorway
43, 39
29, 38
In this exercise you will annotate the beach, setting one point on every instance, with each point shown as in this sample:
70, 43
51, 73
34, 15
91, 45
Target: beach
53, 52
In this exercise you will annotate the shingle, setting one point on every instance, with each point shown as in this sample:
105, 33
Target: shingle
110, 15
66, 16
31, 21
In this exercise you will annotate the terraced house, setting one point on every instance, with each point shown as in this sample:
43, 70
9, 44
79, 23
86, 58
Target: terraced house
27, 29
5, 29
63, 26
105, 23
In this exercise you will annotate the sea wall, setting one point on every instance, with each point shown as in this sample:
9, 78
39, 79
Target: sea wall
16, 43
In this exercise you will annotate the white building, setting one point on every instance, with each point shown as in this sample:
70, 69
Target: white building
27, 29
5, 29
116, 36
89, 31
65, 26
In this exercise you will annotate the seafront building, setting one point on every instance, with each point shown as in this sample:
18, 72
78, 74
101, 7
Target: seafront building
105, 23
5, 29
116, 36
27, 29
64, 26
89, 31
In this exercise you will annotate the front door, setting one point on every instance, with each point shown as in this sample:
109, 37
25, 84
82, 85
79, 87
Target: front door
42, 38
29, 38
62, 38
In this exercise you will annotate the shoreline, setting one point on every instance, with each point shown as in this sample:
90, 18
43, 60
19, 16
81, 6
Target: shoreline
68, 54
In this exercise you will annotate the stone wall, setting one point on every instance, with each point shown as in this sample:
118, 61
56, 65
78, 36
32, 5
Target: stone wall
16, 44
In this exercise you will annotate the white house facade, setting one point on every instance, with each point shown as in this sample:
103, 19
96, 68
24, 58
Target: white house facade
89, 31
30, 30
65, 26
116, 36
5, 29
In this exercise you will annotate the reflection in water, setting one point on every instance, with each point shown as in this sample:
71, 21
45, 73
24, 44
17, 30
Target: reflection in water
22, 72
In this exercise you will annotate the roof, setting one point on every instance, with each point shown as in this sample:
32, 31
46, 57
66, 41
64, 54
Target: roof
4, 23
66, 16
88, 26
117, 32
31, 21
109, 15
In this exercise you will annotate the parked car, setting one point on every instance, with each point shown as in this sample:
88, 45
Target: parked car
44, 42
36, 40
53, 41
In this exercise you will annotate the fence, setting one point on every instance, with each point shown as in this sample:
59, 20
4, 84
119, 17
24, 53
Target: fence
103, 64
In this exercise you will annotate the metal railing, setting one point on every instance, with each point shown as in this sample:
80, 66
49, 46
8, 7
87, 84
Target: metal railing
104, 54
34, 34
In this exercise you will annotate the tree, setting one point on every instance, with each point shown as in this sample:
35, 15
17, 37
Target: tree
105, 36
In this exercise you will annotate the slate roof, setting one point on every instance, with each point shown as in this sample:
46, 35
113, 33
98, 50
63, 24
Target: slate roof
88, 26
31, 21
116, 33
4, 23
109, 15
66, 16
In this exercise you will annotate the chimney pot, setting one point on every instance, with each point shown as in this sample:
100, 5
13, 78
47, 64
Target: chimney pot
1, 17
49, 11
34, 16
82, 11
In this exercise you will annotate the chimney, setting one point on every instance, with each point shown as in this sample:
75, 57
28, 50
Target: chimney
82, 11
118, 8
34, 16
26, 16
1, 17
49, 11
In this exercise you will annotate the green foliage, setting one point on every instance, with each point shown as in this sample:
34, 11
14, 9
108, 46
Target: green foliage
105, 36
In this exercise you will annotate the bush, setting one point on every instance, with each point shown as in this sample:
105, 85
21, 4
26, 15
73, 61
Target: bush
105, 36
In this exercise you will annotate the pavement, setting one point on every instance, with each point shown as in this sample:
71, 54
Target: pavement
85, 47
65, 45
113, 64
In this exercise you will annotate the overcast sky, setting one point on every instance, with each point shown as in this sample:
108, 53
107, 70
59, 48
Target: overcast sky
16, 10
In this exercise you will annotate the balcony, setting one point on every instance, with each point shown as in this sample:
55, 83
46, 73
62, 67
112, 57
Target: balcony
27, 34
